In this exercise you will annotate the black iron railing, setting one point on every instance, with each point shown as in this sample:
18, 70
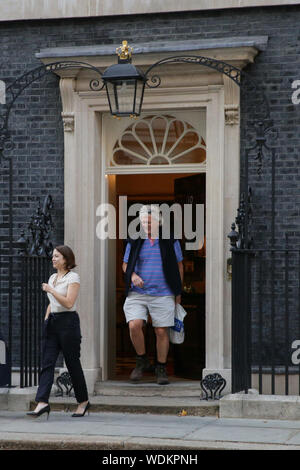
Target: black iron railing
34, 271
24, 266
23, 306
241, 322
266, 320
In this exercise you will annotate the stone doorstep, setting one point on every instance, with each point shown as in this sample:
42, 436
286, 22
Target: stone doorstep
148, 389
230, 406
237, 405
149, 397
16, 399
153, 405
122, 397
241, 405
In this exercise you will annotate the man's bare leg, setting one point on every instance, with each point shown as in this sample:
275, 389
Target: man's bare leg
162, 344
137, 336
162, 348
138, 340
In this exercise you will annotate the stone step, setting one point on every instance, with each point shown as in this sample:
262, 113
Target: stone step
145, 397
149, 389
192, 406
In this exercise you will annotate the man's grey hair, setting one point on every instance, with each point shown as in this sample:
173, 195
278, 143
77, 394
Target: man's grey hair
151, 209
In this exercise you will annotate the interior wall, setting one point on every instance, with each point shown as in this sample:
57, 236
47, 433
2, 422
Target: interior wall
154, 184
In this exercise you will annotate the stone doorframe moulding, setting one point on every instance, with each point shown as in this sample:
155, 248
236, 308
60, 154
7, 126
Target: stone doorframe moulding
86, 187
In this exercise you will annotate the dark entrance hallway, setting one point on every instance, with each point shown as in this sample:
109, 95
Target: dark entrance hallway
187, 360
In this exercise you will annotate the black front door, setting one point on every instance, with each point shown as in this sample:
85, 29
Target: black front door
189, 357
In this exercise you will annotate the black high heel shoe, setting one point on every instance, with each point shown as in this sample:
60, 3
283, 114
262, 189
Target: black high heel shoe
79, 415
36, 414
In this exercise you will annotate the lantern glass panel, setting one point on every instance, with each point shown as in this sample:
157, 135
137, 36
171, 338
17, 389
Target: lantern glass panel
140, 85
125, 96
121, 94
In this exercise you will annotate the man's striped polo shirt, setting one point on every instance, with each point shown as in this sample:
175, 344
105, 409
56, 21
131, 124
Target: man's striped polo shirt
149, 267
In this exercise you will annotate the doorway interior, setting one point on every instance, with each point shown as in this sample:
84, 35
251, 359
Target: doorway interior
185, 361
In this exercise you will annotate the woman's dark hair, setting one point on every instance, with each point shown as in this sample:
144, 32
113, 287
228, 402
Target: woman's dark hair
68, 255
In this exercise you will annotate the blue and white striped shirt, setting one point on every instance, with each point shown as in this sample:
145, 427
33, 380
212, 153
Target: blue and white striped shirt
149, 267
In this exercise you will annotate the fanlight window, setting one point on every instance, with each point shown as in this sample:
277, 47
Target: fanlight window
159, 140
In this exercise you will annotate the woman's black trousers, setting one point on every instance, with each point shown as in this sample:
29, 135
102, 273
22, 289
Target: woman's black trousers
61, 333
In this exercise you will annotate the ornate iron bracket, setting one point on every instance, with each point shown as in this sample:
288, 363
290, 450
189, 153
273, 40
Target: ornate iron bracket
262, 127
14, 90
213, 383
240, 77
39, 242
64, 380
232, 72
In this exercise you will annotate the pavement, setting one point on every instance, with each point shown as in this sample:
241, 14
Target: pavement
141, 431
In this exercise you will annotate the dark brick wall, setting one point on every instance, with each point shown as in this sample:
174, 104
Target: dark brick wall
37, 127
36, 123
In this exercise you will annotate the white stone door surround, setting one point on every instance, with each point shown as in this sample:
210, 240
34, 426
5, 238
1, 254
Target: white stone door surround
183, 87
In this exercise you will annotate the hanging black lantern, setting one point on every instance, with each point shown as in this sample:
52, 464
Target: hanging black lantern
124, 85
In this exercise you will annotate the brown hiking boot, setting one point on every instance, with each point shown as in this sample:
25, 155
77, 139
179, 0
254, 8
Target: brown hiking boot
142, 364
161, 375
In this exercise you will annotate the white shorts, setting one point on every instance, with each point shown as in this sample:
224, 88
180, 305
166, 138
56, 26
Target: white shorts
161, 308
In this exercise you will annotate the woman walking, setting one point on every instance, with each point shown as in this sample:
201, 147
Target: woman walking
61, 333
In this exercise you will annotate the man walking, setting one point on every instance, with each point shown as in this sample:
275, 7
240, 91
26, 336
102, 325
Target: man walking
153, 275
